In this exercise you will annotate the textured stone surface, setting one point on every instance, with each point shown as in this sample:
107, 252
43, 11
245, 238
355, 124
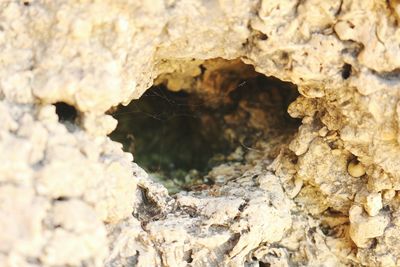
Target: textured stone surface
67, 194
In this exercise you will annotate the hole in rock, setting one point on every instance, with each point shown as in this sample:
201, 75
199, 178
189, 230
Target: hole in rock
66, 112
346, 71
228, 114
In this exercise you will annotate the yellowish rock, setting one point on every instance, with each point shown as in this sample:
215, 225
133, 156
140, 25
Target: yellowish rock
355, 169
373, 204
363, 228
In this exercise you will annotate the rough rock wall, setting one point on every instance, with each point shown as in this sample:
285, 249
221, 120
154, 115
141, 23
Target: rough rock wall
67, 194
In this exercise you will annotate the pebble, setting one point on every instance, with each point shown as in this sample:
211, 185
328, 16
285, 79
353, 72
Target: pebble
355, 169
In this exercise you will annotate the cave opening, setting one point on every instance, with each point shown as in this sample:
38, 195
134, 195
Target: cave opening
230, 112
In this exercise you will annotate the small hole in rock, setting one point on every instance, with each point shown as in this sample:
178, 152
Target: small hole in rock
226, 115
188, 256
346, 71
374, 244
65, 112
263, 37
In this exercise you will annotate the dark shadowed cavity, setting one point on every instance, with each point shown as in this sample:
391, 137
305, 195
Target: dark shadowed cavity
180, 136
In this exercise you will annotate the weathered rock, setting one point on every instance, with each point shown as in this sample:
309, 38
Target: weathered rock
71, 197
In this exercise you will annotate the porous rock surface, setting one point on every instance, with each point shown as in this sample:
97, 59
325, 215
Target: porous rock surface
71, 197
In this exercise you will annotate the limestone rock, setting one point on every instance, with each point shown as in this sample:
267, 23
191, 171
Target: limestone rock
69, 196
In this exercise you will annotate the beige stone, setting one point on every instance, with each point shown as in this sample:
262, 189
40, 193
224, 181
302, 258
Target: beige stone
355, 169
71, 196
373, 204
363, 228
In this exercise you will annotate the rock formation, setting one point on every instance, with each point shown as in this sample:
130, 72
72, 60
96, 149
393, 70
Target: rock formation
70, 196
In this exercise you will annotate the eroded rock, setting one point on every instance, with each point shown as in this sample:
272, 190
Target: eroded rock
71, 197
